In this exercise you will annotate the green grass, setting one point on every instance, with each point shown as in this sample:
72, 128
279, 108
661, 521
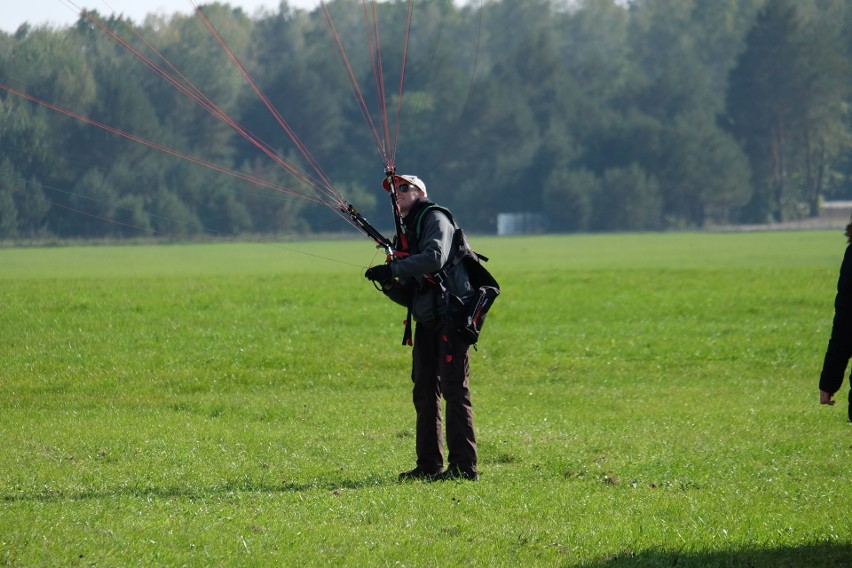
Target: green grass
640, 400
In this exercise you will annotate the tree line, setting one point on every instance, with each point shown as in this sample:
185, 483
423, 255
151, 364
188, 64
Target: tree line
600, 114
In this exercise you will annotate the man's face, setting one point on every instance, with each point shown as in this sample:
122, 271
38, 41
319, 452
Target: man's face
406, 195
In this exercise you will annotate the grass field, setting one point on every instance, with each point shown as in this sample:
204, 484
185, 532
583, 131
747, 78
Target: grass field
640, 400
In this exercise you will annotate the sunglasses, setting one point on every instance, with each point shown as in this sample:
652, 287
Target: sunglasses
405, 188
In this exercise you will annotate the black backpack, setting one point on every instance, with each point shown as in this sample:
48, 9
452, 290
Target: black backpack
470, 315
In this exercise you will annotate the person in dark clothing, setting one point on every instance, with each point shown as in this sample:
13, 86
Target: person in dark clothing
840, 344
440, 359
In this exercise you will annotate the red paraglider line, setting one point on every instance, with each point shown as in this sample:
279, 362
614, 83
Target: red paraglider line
299, 144
160, 147
387, 149
402, 80
194, 93
158, 232
372, 26
356, 90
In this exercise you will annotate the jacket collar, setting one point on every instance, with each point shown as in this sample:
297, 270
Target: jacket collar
410, 220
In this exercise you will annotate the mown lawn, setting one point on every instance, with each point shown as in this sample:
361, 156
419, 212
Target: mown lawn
641, 400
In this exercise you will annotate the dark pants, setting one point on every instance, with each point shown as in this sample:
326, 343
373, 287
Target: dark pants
441, 366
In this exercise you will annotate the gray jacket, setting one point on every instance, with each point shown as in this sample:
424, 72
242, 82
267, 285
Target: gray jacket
428, 254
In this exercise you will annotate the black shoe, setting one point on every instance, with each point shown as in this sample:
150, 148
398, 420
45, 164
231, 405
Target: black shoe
454, 472
418, 473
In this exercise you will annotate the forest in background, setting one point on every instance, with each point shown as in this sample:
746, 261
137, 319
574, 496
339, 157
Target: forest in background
601, 115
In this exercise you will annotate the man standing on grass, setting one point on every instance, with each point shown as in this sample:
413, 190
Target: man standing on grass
440, 359
840, 344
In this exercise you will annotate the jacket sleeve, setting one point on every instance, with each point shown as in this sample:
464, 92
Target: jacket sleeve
436, 244
840, 344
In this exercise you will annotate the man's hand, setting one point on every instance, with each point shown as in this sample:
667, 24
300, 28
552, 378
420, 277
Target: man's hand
825, 398
381, 273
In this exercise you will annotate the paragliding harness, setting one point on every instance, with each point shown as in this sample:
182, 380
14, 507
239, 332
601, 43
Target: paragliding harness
468, 316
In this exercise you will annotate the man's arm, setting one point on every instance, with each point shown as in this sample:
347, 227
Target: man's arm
436, 243
840, 343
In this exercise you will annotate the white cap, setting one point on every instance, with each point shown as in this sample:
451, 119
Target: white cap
406, 179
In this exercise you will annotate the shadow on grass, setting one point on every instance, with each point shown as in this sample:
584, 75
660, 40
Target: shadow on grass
188, 492
823, 555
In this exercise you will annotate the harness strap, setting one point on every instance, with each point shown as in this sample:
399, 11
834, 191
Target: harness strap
406, 335
438, 278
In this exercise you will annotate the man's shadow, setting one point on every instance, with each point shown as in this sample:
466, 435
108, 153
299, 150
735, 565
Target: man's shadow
187, 491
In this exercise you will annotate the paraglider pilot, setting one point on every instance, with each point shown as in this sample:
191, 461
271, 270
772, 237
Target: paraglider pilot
440, 358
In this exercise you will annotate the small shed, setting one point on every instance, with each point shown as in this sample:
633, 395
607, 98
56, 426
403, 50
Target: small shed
521, 223
836, 212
